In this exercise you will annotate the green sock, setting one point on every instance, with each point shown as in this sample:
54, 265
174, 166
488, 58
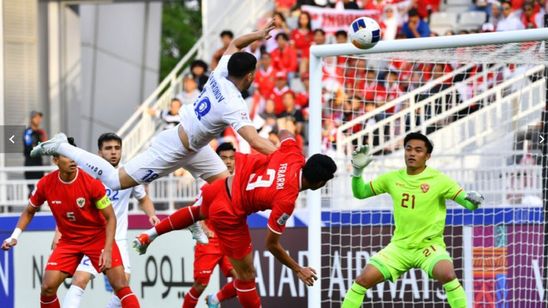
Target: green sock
455, 294
354, 296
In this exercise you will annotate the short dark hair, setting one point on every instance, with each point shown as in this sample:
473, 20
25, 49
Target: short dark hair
341, 33
241, 63
320, 31
227, 33
282, 35
200, 63
318, 168
413, 12
225, 146
419, 136
108, 137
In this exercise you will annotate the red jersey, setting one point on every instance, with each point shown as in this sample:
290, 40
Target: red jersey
73, 204
265, 81
269, 182
302, 42
285, 60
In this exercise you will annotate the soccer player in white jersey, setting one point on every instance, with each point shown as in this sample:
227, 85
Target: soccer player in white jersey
219, 105
110, 149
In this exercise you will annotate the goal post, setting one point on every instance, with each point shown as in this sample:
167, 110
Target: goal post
499, 100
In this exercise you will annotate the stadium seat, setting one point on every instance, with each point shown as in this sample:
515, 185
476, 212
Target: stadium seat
440, 22
468, 3
457, 8
471, 20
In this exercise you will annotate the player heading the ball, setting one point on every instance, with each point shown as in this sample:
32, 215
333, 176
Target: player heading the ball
418, 193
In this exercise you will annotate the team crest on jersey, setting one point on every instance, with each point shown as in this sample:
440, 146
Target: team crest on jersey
81, 202
425, 187
283, 219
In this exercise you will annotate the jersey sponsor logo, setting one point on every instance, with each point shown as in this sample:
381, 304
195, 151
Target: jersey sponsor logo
425, 187
283, 219
81, 202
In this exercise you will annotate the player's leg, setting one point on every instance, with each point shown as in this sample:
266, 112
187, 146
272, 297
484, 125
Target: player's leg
435, 260
228, 291
122, 247
245, 283
84, 273
204, 263
50, 283
387, 264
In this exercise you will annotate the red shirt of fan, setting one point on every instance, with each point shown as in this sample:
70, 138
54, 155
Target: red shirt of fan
269, 182
73, 205
265, 80
302, 42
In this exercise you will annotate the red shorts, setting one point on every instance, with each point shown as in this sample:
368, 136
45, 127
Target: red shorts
230, 228
66, 256
206, 257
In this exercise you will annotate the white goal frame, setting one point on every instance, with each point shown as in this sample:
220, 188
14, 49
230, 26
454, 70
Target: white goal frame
313, 198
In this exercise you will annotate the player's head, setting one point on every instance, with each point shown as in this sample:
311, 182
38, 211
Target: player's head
110, 148
317, 170
418, 149
64, 163
227, 153
241, 66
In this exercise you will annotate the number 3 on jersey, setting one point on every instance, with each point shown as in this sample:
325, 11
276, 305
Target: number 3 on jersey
256, 182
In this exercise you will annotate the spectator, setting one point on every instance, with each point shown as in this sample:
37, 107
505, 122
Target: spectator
371, 85
256, 49
302, 37
265, 76
319, 37
284, 6
508, 21
226, 38
341, 37
265, 122
279, 90
347, 5
302, 97
198, 69
280, 26
190, 91
31, 137
528, 16
415, 26
389, 23
292, 111
169, 117
284, 58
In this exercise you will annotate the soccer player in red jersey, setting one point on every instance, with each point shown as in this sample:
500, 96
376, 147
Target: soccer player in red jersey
85, 217
259, 183
207, 256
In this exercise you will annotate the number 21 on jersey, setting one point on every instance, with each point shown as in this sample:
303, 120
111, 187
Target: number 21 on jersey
258, 181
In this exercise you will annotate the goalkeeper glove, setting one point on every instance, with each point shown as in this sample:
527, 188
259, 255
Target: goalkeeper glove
360, 159
475, 197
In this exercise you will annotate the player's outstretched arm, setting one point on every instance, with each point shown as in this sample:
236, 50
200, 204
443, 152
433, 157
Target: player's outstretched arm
245, 40
24, 220
305, 274
360, 159
470, 200
147, 206
249, 133
106, 256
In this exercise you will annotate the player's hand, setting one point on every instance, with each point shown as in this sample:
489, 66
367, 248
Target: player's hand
8, 243
105, 260
475, 197
307, 275
54, 243
266, 30
154, 220
360, 159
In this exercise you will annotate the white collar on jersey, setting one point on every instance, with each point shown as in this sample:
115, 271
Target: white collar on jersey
59, 176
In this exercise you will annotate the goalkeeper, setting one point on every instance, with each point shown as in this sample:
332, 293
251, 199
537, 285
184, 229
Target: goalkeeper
419, 193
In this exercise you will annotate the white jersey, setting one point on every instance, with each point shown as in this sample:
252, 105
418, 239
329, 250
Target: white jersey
219, 105
120, 203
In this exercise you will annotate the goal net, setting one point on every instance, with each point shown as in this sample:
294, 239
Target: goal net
484, 108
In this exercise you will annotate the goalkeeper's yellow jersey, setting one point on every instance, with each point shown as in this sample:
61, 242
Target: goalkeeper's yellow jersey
419, 204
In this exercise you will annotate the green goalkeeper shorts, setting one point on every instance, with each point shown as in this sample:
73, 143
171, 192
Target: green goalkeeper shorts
393, 261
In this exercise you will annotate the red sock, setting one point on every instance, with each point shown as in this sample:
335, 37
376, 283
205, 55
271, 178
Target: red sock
49, 301
247, 293
181, 219
191, 298
227, 292
127, 298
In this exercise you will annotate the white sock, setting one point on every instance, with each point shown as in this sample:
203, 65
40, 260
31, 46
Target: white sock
152, 234
73, 297
214, 299
94, 165
114, 302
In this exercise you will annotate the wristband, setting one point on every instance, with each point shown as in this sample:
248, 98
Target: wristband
16, 233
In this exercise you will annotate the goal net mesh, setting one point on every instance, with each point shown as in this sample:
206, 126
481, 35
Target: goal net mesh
483, 108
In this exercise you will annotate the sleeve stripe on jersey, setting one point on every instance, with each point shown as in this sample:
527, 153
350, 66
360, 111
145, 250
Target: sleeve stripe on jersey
33, 205
103, 202
277, 232
372, 189
455, 196
287, 139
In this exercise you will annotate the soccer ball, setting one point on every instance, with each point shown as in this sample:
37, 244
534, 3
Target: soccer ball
364, 32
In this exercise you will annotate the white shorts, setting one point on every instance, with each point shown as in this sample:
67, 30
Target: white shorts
86, 266
167, 154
